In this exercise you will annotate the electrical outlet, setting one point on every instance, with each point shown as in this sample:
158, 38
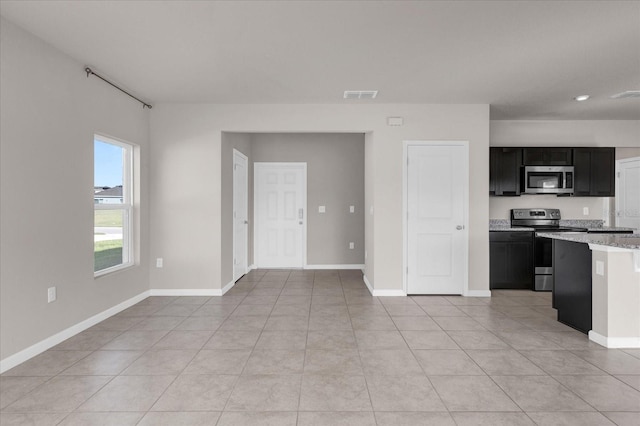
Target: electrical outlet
585, 211
352, 209
51, 294
322, 209
599, 267
159, 262
352, 246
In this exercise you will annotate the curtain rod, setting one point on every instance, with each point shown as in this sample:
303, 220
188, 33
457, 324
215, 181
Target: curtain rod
89, 72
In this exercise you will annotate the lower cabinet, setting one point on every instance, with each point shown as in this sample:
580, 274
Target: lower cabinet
572, 288
511, 260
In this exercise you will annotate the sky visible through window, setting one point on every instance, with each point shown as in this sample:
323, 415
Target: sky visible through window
108, 164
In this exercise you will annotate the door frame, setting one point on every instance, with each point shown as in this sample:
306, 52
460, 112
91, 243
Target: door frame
305, 216
405, 207
246, 203
617, 194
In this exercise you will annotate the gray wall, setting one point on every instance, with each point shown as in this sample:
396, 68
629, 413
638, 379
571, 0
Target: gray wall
335, 179
49, 112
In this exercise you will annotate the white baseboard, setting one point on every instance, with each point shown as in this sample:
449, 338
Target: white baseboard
36, 349
477, 293
382, 292
368, 284
389, 293
343, 266
227, 287
614, 342
186, 292
251, 267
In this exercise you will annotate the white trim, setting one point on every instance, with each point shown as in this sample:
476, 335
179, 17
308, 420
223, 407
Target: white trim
305, 215
233, 209
36, 349
405, 170
368, 284
186, 291
227, 287
477, 293
389, 293
342, 266
382, 292
614, 342
251, 267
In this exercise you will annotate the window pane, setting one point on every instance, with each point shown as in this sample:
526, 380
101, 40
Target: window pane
108, 173
108, 238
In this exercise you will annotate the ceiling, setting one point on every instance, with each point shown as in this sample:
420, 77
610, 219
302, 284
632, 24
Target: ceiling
526, 59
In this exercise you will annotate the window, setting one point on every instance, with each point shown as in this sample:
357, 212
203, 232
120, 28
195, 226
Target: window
113, 205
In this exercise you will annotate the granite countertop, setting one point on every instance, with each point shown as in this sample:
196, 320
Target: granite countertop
509, 228
627, 241
609, 229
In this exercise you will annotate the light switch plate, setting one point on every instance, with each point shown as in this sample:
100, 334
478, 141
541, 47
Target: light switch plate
585, 211
352, 209
599, 267
321, 209
159, 262
352, 246
51, 294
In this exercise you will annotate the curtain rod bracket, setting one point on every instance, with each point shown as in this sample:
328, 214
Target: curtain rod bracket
89, 72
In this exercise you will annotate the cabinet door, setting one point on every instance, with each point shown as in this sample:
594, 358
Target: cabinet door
498, 268
594, 172
547, 156
521, 259
603, 172
582, 171
511, 260
507, 173
493, 159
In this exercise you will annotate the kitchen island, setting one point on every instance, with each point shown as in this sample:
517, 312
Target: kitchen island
604, 268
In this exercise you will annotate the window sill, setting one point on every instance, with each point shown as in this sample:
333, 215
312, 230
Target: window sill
113, 269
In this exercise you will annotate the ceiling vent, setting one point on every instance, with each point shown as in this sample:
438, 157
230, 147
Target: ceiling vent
627, 94
360, 94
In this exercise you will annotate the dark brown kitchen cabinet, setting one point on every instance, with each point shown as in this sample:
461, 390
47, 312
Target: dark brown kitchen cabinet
511, 260
546, 156
504, 171
594, 172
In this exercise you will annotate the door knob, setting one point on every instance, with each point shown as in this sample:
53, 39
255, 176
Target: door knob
459, 227
246, 222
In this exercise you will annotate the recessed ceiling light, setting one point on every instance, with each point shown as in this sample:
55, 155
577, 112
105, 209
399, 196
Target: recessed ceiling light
360, 94
581, 98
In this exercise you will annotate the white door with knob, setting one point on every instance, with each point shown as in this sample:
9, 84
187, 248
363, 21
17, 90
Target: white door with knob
280, 200
628, 193
436, 205
240, 215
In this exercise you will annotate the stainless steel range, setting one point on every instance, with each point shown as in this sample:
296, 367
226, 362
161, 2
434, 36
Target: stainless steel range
541, 220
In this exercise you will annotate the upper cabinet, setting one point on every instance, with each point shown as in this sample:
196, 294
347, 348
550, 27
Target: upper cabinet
504, 171
594, 168
547, 156
594, 172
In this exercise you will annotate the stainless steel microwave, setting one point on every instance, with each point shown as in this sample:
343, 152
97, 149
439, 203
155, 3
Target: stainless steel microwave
548, 180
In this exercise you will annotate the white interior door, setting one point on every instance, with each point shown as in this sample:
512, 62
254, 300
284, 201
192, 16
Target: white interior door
436, 203
628, 193
240, 214
280, 214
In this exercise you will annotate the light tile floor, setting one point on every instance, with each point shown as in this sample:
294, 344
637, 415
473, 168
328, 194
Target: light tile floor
314, 348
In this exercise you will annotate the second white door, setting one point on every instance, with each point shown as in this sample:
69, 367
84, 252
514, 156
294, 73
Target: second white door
628, 193
240, 215
280, 214
436, 206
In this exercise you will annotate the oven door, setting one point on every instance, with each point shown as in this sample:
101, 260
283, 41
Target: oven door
543, 264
